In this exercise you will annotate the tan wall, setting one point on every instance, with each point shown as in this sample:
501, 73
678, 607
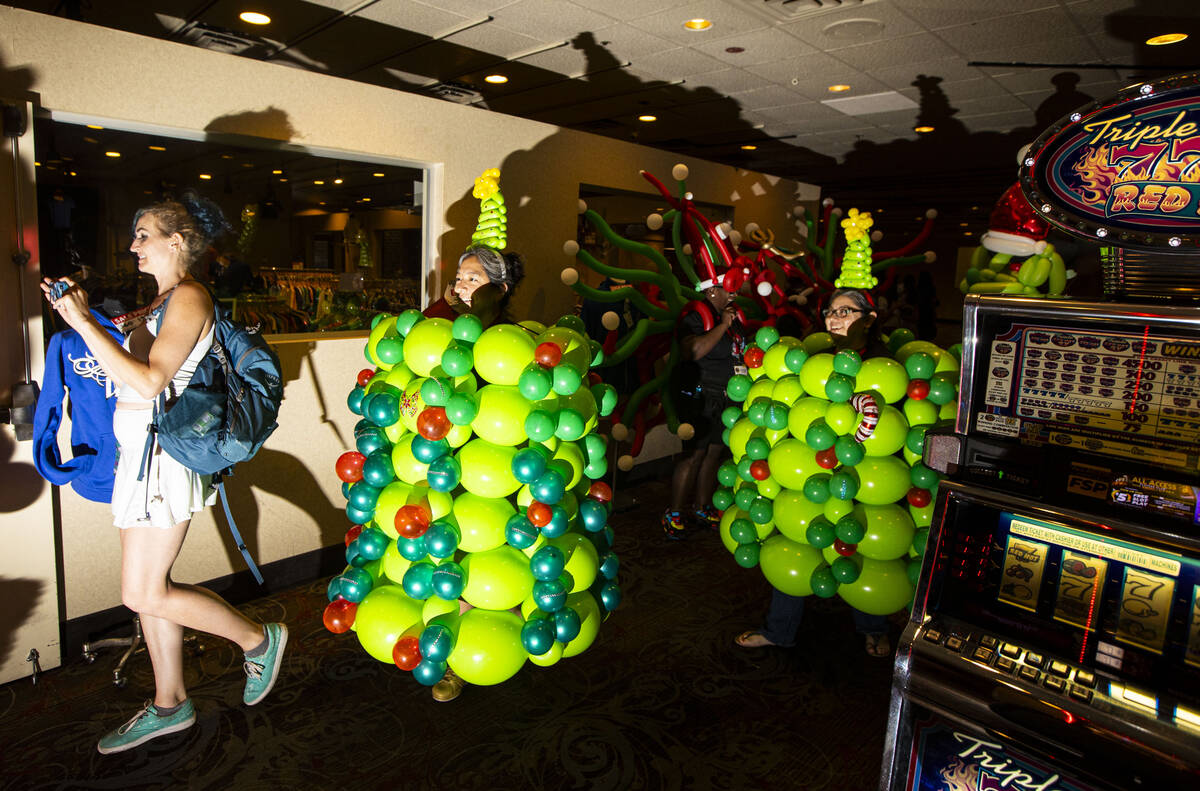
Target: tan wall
130, 80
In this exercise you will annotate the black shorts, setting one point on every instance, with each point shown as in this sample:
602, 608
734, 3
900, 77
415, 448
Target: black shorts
704, 413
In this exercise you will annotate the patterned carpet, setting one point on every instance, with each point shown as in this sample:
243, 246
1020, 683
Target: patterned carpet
662, 700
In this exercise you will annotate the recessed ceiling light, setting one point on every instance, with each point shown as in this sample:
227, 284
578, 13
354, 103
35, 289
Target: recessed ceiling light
322, 203
276, 172
254, 18
922, 129
647, 118
366, 200
37, 164
113, 154
378, 175
496, 79
93, 126
73, 173
1166, 38
749, 147
157, 148
205, 176
90, 140
963, 224
697, 24
337, 181
839, 88
318, 182
283, 180
227, 156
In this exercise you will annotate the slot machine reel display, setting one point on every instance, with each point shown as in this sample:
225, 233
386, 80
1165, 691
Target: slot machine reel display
1054, 642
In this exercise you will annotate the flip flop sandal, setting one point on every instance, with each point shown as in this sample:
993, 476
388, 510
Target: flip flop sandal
878, 645
752, 638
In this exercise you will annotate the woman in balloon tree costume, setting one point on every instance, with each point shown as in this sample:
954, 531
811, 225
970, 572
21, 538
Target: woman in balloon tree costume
482, 286
852, 320
154, 496
713, 340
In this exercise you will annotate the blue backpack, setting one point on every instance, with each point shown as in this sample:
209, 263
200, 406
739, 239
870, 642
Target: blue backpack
227, 411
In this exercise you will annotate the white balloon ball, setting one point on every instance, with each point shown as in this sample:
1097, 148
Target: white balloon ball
930, 256
582, 206
679, 172
654, 221
686, 431
764, 289
798, 211
610, 320
753, 226
620, 432
571, 247
876, 236
570, 276
687, 249
625, 463
735, 238
836, 212
827, 202
931, 214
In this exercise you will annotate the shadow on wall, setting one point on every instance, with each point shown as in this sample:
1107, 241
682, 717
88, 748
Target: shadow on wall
271, 123
22, 484
20, 596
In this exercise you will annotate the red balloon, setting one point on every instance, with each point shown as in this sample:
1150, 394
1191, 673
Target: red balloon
827, 459
600, 491
364, 376
352, 533
432, 423
844, 549
594, 378
918, 497
406, 653
760, 470
349, 466
547, 354
412, 521
538, 513
753, 357
339, 616
918, 389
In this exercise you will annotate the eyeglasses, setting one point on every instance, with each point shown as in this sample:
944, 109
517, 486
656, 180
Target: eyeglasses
841, 313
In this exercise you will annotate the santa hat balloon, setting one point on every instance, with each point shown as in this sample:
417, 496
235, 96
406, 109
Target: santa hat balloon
1015, 228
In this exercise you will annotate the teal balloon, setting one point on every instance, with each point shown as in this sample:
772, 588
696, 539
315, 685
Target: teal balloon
843, 486
467, 327
457, 360
816, 488
610, 565
850, 531
824, 584
795, 359
377, 469
746, 555
418, 580
444, 473
729, 416
436, 642
435, 391
819, 435
441, 539
354, 400
550, 595
844, 570
610, 596
593, 514
427, 672
358, 516
727, 473
538, 635
370, 439
758, 447
363, 496
413, 549
535, 382
847, 362
839, 388
427, 450
549, 488
547, 563
461, 409
919, 365
372, 543
539, 425
820, 533
566, 379
849, 451
528, 465
519, 532
354, 584
761, 511
567, 624
558, 524
722, 498
448, 581
742, 531
383, 409
766, 337
738, 387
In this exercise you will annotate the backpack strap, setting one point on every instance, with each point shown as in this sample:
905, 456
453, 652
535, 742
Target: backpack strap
237, 536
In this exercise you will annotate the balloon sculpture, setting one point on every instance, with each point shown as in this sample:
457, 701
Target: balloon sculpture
1013, 256
480, 535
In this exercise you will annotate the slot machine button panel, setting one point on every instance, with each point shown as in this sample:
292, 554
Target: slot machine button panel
1029, 674
1059, 669
1010, 650
1005, 664
1085, 679
983, 654
1036, 660
1081, 694
954, 643
1054, 684
933, 635
987, 641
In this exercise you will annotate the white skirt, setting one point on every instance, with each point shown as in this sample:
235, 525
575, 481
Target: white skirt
168, 494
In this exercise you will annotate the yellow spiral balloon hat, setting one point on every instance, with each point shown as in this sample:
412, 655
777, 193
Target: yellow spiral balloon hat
491, 230
856, 263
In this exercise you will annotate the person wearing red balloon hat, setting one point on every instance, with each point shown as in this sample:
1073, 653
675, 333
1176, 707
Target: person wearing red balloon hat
852, 320
712, 342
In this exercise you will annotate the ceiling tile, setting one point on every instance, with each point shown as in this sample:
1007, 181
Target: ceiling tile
728, 80
759, 46
808, 70
416, 17
1016, 31
951, 70
627, 10
769, 96
564, 60
468, 8
728, 19
550, 19
496, 41
935, 14
915, 49
1002, 122
852, 26
677, 64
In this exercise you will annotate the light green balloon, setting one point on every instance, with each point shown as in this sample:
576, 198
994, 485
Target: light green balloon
834, 509
890, 433
488, 650
788, 564
394, 564
502, 352
570, 453
842, 418
487, 468
501, 416
803, 412
788, 390
399, 376
496, 579
760, 389
774, 361
727, 518
583, 561
883, 375
382, 617
424, 344
815, 374
437, 607
407, 467
393, 497
792, 462
481, 521
739, 435
385, 328
574, 345
948, 411
889, 531
882, 480
882, 588
922, 517
583, 402
818, 342
552, 656
590, 618
793, 512
920, 413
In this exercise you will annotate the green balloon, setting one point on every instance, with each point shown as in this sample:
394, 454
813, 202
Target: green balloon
570, 425
727, 474
882, 588
436, 391
941, 391
757, 448
816, 488
535, 382
914, 571
766, 337
818, 342
502, 352
795, 359
457, 359
849, 451
823, 583
849, 529
745, 496
820, 533
757, 412
922, 477
461, 409
743, 469
747, 555
382, 618
729, 416
900, 337
819, 435
407, 320
572, 322
761, 511
839, 388
738, 387
919, 365
467, 327
487, 468
539, 425
844, 570
776, 416
722, 498
788, 565
567, 379
488, 650
843, 485
847, 362
742, 531
920, 539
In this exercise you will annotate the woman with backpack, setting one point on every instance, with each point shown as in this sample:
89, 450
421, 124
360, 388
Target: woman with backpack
154, 496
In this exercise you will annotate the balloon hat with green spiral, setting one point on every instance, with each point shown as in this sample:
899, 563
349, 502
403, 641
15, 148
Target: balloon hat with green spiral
491, 230
856, 263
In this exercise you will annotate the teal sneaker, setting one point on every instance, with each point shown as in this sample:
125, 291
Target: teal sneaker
261, 671
147, 724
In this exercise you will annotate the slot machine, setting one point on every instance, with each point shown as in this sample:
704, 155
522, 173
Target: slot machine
1054, 640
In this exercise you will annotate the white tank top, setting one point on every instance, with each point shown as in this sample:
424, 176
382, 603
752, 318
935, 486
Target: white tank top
183, 376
